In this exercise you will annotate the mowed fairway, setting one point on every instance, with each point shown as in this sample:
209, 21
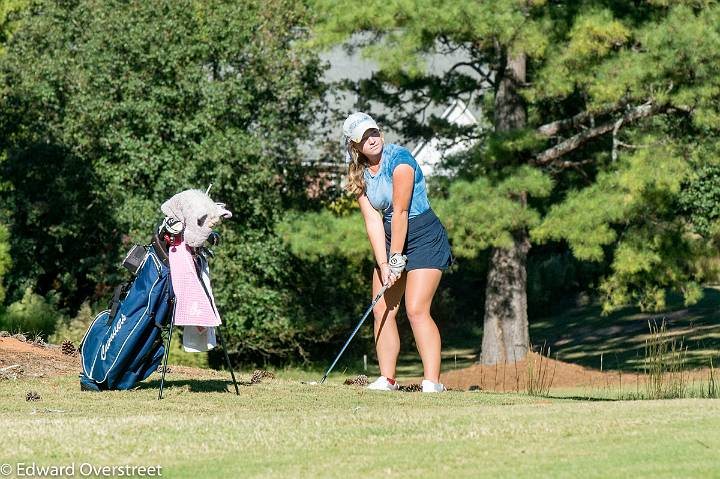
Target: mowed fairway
281, 428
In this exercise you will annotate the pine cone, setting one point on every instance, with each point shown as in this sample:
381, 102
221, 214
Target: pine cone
68, 347
361, 380
258, 375
411, 388
32, 396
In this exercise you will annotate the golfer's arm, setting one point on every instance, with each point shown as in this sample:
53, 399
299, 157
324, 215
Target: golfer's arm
374, 228
403, 179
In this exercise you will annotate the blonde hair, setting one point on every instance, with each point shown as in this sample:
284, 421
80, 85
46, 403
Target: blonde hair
355, 184
355, 176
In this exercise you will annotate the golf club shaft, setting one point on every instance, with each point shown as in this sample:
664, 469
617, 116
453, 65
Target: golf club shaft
362, 320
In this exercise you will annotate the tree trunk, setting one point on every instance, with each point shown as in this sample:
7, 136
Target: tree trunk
505, 328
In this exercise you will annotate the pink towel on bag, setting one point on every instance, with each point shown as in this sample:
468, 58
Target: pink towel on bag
193, 307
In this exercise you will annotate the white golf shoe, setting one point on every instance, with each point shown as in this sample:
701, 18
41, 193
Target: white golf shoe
431, 387
383, 384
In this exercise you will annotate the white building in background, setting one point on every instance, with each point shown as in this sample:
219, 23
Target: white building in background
429, 154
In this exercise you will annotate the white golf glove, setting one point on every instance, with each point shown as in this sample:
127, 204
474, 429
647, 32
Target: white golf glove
397, 263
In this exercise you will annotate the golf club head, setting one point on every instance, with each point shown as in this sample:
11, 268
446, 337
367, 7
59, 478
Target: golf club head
214, 238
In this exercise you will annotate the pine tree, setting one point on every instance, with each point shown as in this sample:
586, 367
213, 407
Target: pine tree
599, 112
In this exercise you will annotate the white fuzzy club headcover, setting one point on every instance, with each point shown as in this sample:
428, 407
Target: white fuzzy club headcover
197, 212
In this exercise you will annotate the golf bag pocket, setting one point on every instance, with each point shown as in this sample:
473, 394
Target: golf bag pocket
134, 259
124, 345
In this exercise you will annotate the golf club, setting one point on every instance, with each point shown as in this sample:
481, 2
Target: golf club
362, 320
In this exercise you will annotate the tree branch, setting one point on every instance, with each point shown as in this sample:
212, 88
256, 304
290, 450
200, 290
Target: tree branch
616, 128
555, 127
557, 166
484, 75
574, 142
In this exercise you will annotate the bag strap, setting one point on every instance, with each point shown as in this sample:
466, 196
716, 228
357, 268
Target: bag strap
114, 304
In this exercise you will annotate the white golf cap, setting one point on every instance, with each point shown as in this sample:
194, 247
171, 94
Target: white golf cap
357, 124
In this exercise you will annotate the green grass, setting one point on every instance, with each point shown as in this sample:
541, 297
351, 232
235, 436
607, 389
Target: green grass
284, 429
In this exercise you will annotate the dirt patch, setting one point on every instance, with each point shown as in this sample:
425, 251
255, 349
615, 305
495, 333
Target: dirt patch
27, 359
23, 359
542, 370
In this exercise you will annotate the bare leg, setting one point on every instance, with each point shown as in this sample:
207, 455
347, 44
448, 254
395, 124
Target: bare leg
420, 289
387, 339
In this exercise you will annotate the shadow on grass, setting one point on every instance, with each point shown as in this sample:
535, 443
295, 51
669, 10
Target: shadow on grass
195, 385
583, 336
582, 398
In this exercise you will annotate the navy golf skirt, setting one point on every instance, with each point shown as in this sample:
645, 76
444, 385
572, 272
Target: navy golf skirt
426, 245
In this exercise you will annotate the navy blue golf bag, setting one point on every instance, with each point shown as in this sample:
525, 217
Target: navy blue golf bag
124, 344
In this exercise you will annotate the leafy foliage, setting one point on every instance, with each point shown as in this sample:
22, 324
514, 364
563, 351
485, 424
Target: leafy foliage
73, 328
632, 207
33, 313
9, 14
5, 259
111, 107
477, 225
332, 265
700, 200
314, 235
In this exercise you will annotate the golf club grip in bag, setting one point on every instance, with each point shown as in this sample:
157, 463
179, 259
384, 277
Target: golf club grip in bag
126, 346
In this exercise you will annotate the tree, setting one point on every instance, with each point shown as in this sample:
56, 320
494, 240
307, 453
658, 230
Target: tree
9, 12
111, 107
600, 111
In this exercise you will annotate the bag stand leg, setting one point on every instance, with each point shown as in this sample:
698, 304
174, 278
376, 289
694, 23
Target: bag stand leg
227, 359
217, 328
167, 353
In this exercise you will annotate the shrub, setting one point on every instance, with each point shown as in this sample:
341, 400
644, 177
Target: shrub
33, 314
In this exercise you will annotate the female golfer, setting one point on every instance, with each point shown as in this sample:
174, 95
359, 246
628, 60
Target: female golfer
410, 245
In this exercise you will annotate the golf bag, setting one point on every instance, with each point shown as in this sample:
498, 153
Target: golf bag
124, 343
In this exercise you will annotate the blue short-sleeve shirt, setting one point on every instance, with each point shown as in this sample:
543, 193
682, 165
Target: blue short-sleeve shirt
379, 187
